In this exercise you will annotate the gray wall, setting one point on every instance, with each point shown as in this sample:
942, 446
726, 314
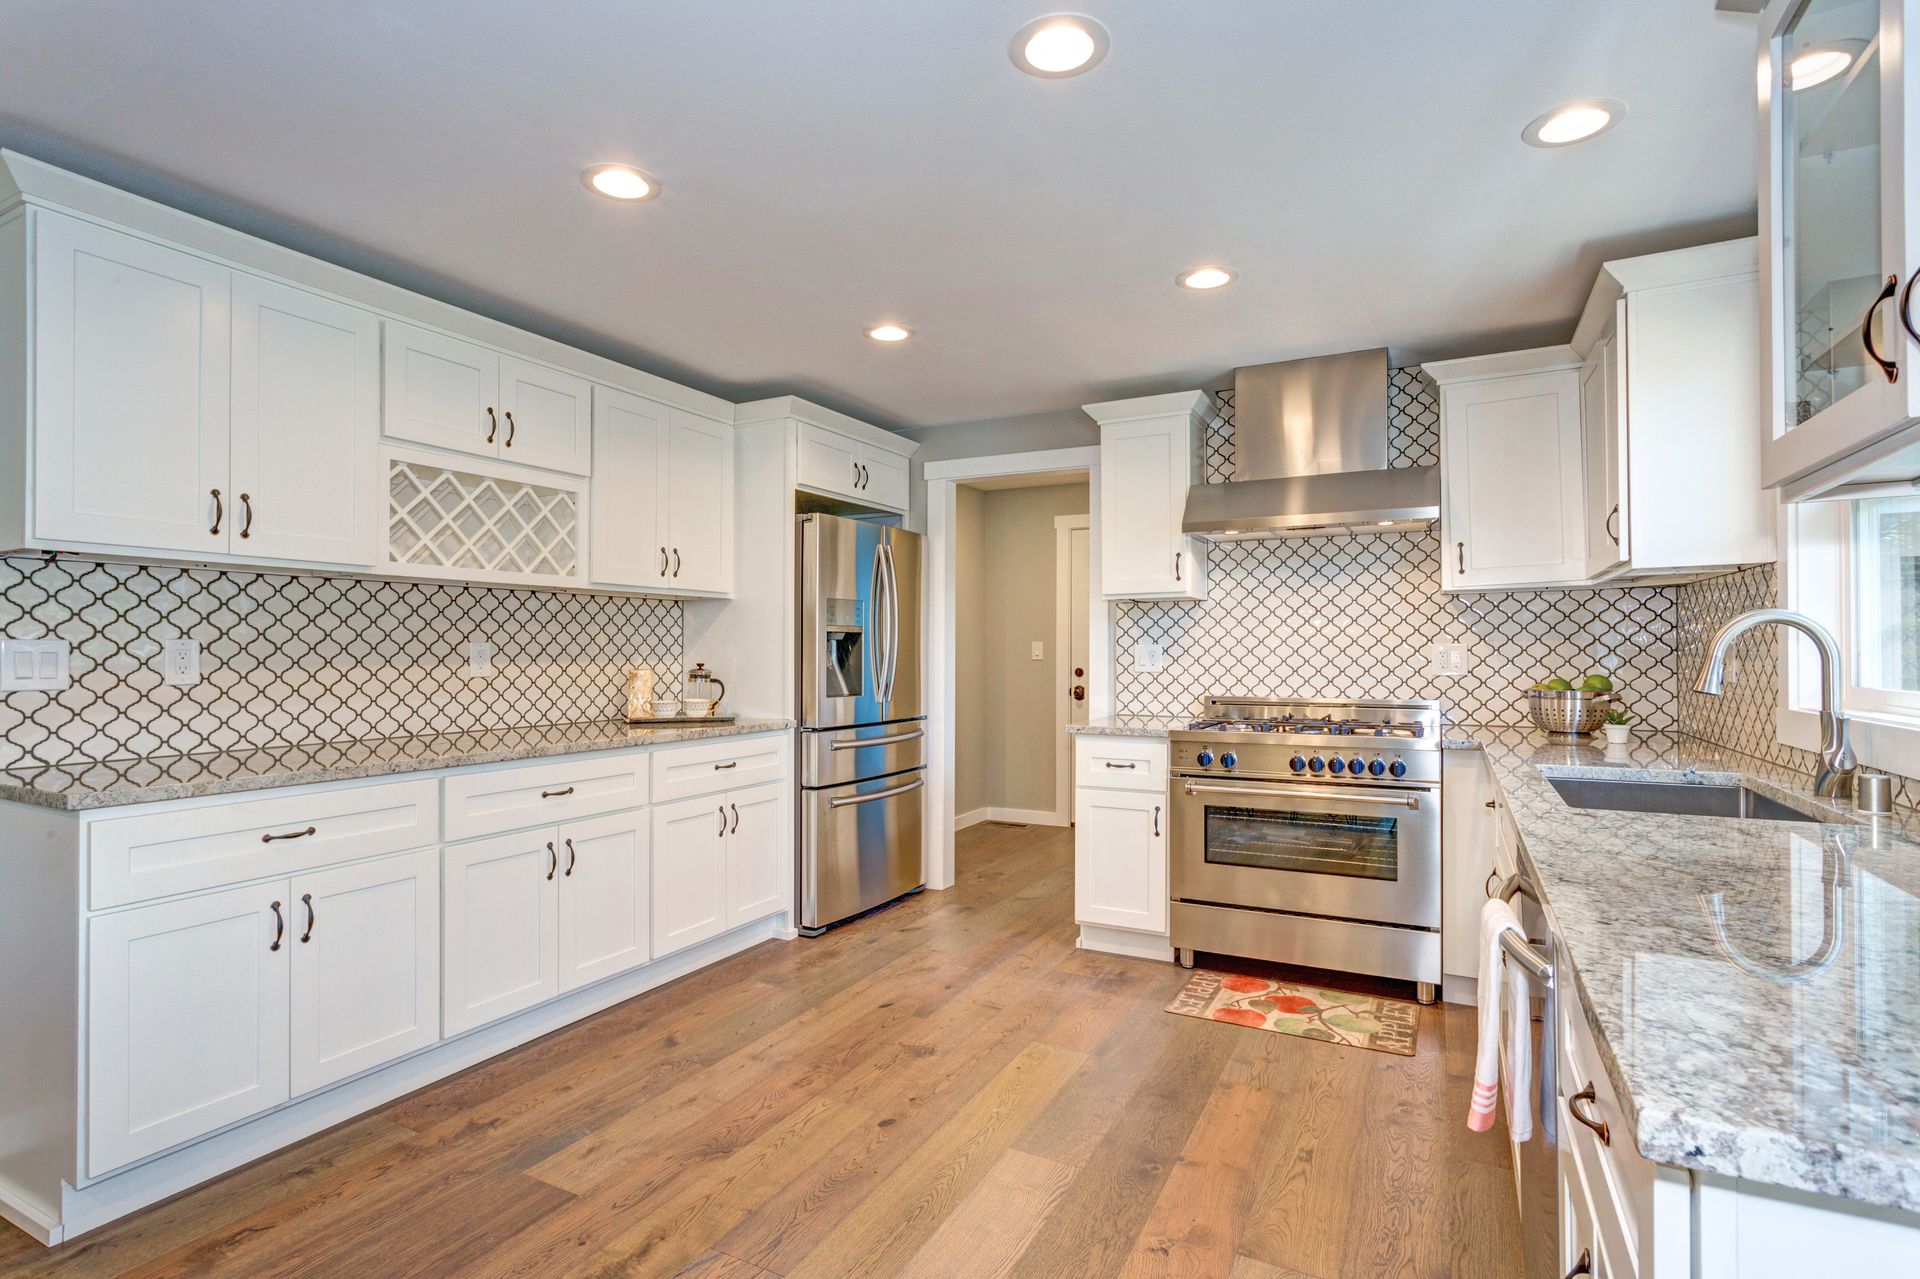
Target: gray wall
1061, 429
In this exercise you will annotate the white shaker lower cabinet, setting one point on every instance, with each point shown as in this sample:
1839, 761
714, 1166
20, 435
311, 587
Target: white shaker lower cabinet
503, 919
1468, 858
606, 892
760, 870
186, 1020
1122, 821
366, 966
689, 873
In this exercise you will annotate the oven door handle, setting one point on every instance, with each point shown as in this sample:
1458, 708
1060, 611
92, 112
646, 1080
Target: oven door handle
1306, 792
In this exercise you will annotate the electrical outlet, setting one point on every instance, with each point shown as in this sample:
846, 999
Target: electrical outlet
479, 659
1039, 651
1148, 659
180, 662
33, 665
1449, 661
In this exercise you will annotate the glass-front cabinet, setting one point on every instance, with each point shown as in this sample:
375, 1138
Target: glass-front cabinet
1840, 214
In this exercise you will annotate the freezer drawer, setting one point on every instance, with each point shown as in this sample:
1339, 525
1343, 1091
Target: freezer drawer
834, 756
860, 846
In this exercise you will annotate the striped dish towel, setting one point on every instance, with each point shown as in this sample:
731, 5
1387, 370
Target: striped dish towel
1500, 983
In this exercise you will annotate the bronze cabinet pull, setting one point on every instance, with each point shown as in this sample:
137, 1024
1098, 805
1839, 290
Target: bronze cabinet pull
513, 428
676, 561
1613, 515
1492, 804
279, 927
663, 561
1584, 1266
1487, 887
556, 794
553, 860
1888, 368
1460, 549
1906, 316
1128, 764
721, 813
493, 424
306, 899
1599, 1126
572, 856
219, 513
246, 504
1156, 821
732, 763
856, 475
1176, 565
299, 834
735, 828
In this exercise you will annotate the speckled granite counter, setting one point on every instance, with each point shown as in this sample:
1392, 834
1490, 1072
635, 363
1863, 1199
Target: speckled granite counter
1780, 1044
1131, 725
191, 776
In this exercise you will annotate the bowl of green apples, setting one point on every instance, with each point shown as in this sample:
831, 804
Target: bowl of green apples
1570, 709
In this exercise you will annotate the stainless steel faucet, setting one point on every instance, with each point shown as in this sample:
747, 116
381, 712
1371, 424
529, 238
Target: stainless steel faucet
1834, 778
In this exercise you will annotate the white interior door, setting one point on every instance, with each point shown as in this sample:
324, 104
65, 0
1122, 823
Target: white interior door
546, 417
606, 897
629, 544
132, 346
760, 868
1077, 602
502, 920
689, 873
366, 966
699, 503
306, 426
186, 1020
441, 391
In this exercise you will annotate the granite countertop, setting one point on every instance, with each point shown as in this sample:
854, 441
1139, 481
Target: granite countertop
1780, 1044
109, 785
1131, 725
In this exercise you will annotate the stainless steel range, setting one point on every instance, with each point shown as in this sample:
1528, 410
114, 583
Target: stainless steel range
1308, 832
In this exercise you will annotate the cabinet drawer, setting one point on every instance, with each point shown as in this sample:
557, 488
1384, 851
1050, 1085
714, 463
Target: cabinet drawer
731, 763
504, 799
1121, 763
188, 850
1620, 1179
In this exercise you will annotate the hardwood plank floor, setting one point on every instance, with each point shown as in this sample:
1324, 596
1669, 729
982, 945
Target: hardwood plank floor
946, 1088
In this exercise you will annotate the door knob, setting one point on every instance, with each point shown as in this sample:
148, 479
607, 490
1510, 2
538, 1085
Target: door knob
1079, 692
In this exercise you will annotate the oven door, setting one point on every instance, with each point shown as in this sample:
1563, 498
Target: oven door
1348, 852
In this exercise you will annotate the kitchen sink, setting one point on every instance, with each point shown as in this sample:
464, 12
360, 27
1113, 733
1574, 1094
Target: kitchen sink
1680, 798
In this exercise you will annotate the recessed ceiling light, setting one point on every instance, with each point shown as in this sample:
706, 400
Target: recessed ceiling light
1059, 45
1822, 63
889, 333
620, 182
1205, 277
1575, 122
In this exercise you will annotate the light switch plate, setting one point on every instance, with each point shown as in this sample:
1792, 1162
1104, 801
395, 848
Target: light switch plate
36, 665
1449, 661
1148, 659
1039, 651
479, 659
180, 662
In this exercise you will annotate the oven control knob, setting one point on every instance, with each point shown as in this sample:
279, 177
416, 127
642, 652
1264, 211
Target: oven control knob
1317, 764
1358, 765
1204, 758
1298, 763
1378, 767
1337, 764
1399, 768
1229, 759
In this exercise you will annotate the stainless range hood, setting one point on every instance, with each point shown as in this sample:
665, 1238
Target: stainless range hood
1310, 444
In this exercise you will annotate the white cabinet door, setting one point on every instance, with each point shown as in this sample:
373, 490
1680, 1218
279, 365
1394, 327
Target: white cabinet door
186, 1020
132, 343
1512, 511
1120, 859
883, 478
441, 391
1604, 443
502, 920
1143, 497
629, 545
1467, 832
760, 869
829, 461
689, 873
306, 426
606, 890
366, 966
546, 417
699, 503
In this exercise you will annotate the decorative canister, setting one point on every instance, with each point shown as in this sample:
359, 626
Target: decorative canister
639, 693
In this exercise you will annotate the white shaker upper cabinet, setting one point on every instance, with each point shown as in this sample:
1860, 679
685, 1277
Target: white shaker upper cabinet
1149, 457
306, 426
629, 441
1604, 438
442, 391
130, 416
1840, 248
1512, 508
699, 503
546, 417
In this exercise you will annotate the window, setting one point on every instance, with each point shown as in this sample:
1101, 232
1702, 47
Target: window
1885, 603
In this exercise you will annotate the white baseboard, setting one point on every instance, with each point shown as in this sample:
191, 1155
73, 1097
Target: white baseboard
1121, 941
1018, 816
96, 1203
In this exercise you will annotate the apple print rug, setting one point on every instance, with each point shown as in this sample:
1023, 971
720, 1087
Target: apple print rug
1305, 1012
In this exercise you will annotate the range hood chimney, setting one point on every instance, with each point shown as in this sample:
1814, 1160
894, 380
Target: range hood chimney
1310, 445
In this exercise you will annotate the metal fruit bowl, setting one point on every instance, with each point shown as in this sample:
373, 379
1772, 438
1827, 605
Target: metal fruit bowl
1567, 712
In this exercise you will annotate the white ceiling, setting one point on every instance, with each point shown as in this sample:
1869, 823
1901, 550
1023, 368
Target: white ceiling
827, 165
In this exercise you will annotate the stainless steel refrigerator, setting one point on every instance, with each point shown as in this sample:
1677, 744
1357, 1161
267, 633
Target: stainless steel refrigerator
862, 730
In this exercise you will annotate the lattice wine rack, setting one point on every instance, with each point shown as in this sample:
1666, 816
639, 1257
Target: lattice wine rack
440, 517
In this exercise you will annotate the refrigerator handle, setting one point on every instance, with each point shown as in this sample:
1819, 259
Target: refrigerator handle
876, 654
893, 622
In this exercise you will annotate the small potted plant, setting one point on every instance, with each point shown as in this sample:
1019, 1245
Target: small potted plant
1619, 726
